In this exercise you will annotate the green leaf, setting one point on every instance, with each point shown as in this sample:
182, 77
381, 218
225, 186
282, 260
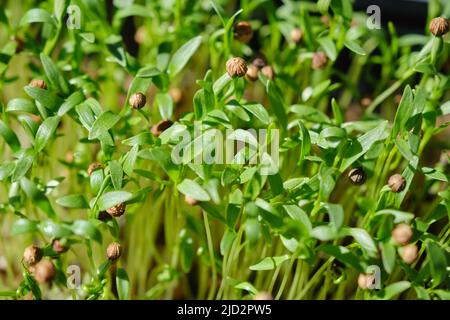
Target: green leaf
247, 287
186, 251
258, 111
130, 160
399, 216
9, 136
73, 201
45, 132
102, 124
305, 147
21, 105
393, 290
355, 47
54, 76
45, 97
23, 164
113, 198
276, 103
86, 229
116, 174
37, 15
72, 101
23, 226
361, 145
404, 111
364, 239
438, 262
182, 56
227, 241
193, 189
344, 255
388, 256
269, 263
329, 47
165, 105
123, 284
54, 230
336, 214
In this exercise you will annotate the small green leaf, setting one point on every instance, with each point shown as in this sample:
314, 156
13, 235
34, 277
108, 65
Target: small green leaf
393, 290
37, 15
258, 111
86, 229
73, 201
355, 47
438, 262
54, 76
23, 164
21, 105
23, 226
130, 160
123, 284
102, 124
329, 47
247, 287
72, 101
44, 97
165, 105
193, 189
112, 199
45, 132
9, 136
182, 56
269, 263
116, 174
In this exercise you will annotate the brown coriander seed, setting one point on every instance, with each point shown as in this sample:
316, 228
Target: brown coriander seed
176, 94
243, 31
296, 35
252, 73
357, 176
236, 67
32, 255
365, 281
397, 183
325, 20
408, 253
93, 166
44, 271
160, 127
402, 234
137, 100
439, 26
113, 251
319, 60
58, 246
191, 201
263, 295
259, 62
365, 102
268, 72
117, 210
38, 83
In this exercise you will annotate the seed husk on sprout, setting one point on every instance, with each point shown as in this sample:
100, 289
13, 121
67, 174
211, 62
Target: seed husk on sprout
137, 100
117, 210
243, 31
32, 255
357, 176
397, 183
44, 271
439, 26
236, 67
38, 83
402, 233
114, 251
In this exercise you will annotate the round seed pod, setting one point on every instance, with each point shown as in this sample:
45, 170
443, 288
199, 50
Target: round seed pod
236, 67
113, 251
252, 73
243, 31
104, 216
365, 102
439, 26
259, 62
263, 295
160, 127
408, 253
191, 201
58, 246
32, 255
44, 271
325, 20
38, 83
296, 35
94, 166
176, 94
402, 234
365, 281
117, 210
268, 72
137, 100
397, 183
357, 176
319, 60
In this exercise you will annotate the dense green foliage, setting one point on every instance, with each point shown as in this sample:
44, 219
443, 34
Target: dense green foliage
373, 101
